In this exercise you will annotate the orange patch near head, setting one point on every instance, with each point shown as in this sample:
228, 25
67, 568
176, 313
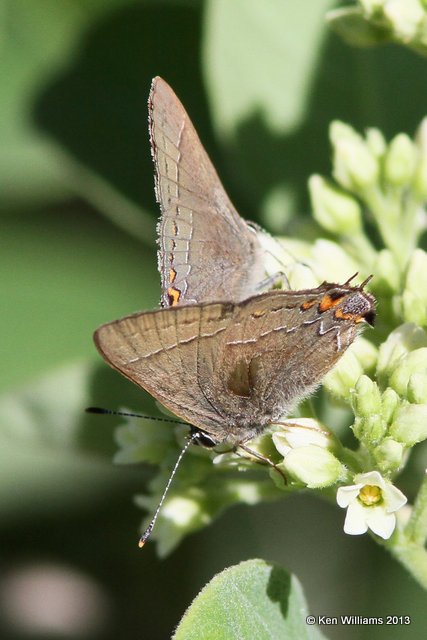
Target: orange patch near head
348, 316
174, 296
328, 302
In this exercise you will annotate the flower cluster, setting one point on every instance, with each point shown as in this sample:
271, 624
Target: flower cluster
372, 22
385, 384
381, 381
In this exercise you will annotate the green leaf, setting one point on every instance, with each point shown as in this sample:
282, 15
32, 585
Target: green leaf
251, 600
38, 39
259, 74
53, 454
63, 275
354, 29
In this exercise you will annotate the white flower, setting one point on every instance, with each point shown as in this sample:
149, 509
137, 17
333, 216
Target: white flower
305, 447
370, 503
301, 432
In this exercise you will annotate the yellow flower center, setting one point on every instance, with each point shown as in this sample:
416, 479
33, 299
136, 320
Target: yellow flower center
370, 495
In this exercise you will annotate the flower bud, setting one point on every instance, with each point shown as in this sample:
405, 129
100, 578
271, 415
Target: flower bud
404, 16
414, 299
401, 341
389, 455
400, 161
355, 166
390, 402
361, 356
341, 381
417, 388
406, 366
148, 442
421, 136
300, 432
410, 424
369, 430
326, 255
376, 142
419, 184
420, 179
314, 466
387, 275
300, 276
367, 397
333, 209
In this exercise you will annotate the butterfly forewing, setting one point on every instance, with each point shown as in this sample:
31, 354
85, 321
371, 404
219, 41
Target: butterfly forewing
206, 250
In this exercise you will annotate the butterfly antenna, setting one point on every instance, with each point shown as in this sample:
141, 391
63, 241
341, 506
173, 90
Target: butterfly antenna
143, 539
128, 414
365, 282
351, 278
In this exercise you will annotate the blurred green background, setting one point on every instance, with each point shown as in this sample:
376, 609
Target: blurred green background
261, 81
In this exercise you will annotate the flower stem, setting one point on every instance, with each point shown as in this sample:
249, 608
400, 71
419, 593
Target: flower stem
416, 529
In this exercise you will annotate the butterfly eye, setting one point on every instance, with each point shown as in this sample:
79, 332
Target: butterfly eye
203, 439
370, 317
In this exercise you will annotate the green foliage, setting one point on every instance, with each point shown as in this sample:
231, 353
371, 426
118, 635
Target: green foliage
251, 600
374, 22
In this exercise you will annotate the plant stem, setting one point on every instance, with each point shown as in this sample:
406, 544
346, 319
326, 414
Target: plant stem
412, 556
416, 529
407, 546
361, 249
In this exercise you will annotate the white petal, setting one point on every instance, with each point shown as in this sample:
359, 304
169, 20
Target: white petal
372, 477
300, 432
308, 423
281, 443
380, 522
346, 495
394, 499
355, 523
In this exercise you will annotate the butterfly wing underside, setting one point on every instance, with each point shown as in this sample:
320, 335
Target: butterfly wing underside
206, 250
230, 369
159, 351
275, 352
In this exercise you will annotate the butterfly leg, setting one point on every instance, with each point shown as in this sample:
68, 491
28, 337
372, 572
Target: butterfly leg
262, 459
274, 281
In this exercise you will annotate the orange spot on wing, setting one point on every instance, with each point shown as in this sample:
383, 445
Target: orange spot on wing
172, 275
328, 302
308, 305
174, 296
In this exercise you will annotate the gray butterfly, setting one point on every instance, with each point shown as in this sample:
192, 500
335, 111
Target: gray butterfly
230, 369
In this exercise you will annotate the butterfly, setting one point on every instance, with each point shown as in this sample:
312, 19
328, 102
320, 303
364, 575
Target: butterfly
231, 368
206, 250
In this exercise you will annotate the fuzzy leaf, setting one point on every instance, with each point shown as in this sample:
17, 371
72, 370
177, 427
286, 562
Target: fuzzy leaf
251, 600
